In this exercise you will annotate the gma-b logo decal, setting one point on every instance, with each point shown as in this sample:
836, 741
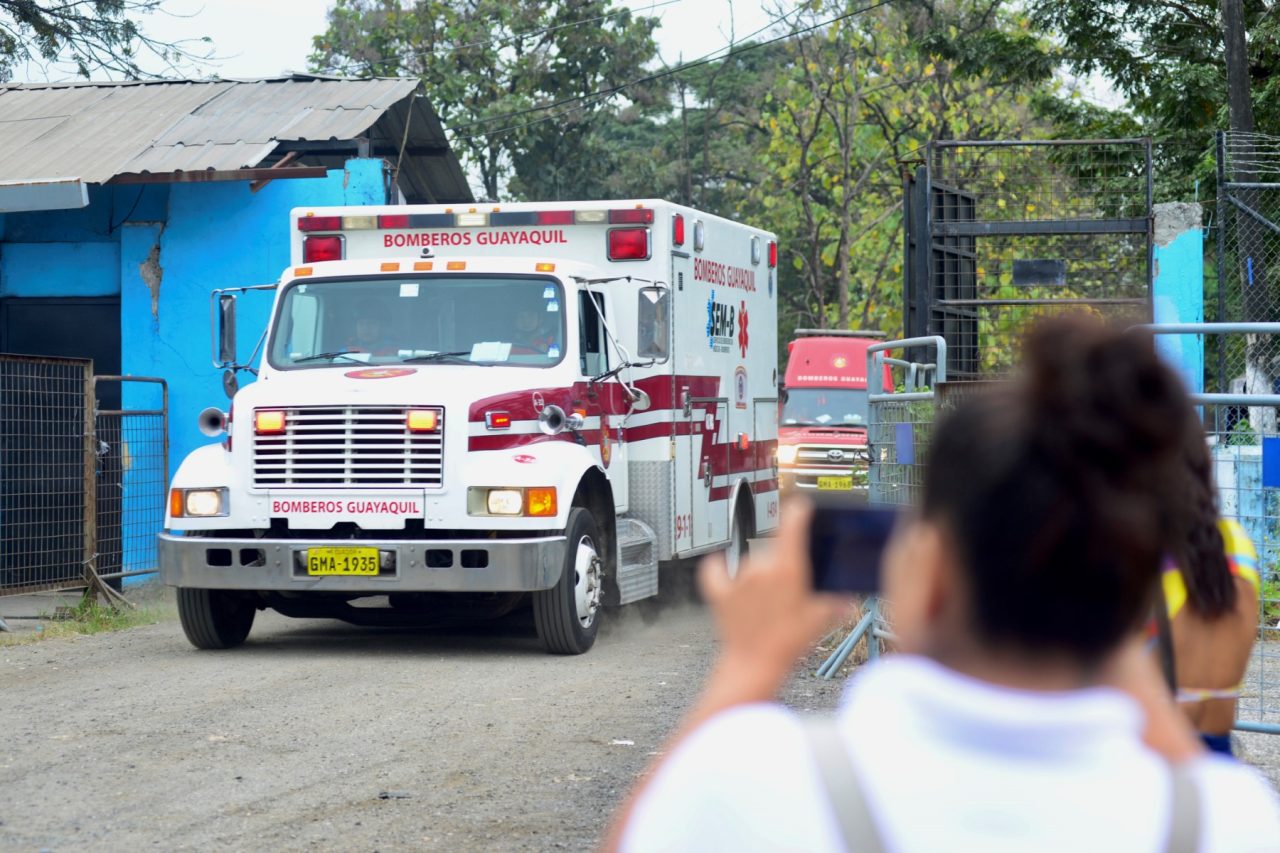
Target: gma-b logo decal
722, 327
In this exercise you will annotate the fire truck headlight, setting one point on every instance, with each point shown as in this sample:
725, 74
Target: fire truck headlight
505, 502
787, 453
198, 503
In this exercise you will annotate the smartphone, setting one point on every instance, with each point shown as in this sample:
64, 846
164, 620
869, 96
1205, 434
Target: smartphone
846, 542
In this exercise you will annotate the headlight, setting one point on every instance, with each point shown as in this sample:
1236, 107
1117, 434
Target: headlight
532, 501
787, 453
504, 502
198, 503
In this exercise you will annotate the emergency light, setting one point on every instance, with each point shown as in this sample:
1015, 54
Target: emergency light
629, 244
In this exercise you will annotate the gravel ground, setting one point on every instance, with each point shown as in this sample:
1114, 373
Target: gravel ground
319, 735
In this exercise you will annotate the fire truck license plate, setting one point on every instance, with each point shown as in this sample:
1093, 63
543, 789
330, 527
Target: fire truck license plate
342, 561
841, 483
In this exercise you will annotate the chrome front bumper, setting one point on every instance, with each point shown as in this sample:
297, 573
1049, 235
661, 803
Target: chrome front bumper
465, 565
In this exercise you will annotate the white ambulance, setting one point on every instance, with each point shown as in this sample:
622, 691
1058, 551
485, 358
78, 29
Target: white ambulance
464, 410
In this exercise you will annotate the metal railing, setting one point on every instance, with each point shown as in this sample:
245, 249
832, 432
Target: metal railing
132, 472
1245, 449
898, 436
1246, 461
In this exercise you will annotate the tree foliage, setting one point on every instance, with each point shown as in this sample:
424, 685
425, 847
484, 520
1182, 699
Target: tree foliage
89, 36
859, 103
524, 86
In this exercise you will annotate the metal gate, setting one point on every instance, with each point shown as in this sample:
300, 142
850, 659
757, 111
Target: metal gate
82, 489
999, 233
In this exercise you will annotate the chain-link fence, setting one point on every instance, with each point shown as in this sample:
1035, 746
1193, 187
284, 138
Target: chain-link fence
82, 491
46, 494
1248, 258
1000, 233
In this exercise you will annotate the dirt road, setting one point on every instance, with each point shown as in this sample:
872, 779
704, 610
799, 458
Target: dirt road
318, 735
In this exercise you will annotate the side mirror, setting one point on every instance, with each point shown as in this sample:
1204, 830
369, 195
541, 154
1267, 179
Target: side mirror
227, 329
640, 401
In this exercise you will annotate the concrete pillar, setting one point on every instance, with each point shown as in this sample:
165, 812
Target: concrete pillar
1178, 286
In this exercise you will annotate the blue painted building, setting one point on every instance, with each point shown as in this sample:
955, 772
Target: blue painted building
123, 205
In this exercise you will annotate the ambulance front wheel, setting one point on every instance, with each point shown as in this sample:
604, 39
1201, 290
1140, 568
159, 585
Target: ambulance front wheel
215, 618
567, 616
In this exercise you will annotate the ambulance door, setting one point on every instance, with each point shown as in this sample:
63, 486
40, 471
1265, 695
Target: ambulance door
709, 504
686, 347
604, 399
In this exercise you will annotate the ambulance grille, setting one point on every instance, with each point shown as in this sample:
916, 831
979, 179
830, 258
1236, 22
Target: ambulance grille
365, 446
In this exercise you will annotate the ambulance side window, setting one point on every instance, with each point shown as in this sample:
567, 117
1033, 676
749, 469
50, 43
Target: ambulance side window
592, 355
654, 331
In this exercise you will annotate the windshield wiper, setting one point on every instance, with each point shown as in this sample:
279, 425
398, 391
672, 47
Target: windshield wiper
456, 357
341, 353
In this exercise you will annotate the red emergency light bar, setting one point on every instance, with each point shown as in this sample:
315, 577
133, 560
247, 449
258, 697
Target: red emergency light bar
474, 218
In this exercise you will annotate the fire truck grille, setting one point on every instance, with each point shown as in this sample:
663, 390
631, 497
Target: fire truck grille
814, 461
367, 446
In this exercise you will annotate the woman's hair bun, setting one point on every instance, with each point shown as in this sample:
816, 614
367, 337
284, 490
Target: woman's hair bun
1094, 395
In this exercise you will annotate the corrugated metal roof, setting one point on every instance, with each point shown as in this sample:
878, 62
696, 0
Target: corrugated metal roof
96, 131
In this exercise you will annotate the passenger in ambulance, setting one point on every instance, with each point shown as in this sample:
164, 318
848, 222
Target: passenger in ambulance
534, 332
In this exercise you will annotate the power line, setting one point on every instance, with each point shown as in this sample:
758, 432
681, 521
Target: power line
587, 99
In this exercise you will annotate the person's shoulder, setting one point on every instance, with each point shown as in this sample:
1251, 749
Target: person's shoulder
740, 734
1242, 812
736, 782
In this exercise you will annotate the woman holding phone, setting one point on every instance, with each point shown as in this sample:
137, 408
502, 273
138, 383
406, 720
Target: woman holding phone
1013, 717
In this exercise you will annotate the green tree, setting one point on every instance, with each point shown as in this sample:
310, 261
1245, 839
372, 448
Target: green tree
523, 86
88, 36
861, 99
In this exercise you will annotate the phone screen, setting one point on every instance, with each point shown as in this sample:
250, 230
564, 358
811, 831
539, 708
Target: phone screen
846, 543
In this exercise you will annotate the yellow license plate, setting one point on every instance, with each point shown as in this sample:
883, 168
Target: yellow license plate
841, 483
342, 561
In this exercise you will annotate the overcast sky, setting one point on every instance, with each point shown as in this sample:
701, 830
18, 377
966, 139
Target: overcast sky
262, 38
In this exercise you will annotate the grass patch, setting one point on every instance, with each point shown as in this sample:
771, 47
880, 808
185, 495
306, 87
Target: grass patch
88, 617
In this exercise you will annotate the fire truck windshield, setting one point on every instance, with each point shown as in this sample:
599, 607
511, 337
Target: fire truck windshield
831, 407
483, 320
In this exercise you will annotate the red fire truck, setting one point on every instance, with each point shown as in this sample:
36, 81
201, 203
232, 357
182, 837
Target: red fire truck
822, 432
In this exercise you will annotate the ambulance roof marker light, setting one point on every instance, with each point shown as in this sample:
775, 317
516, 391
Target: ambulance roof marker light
773, 254
544, 267
677, 229
320, 223
456, 265
631, 216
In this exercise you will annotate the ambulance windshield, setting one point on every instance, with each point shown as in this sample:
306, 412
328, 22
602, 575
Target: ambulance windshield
830, 407
483, 320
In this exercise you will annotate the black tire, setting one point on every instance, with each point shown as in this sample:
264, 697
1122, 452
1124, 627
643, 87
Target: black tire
741, 529
562, 629
215, 618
